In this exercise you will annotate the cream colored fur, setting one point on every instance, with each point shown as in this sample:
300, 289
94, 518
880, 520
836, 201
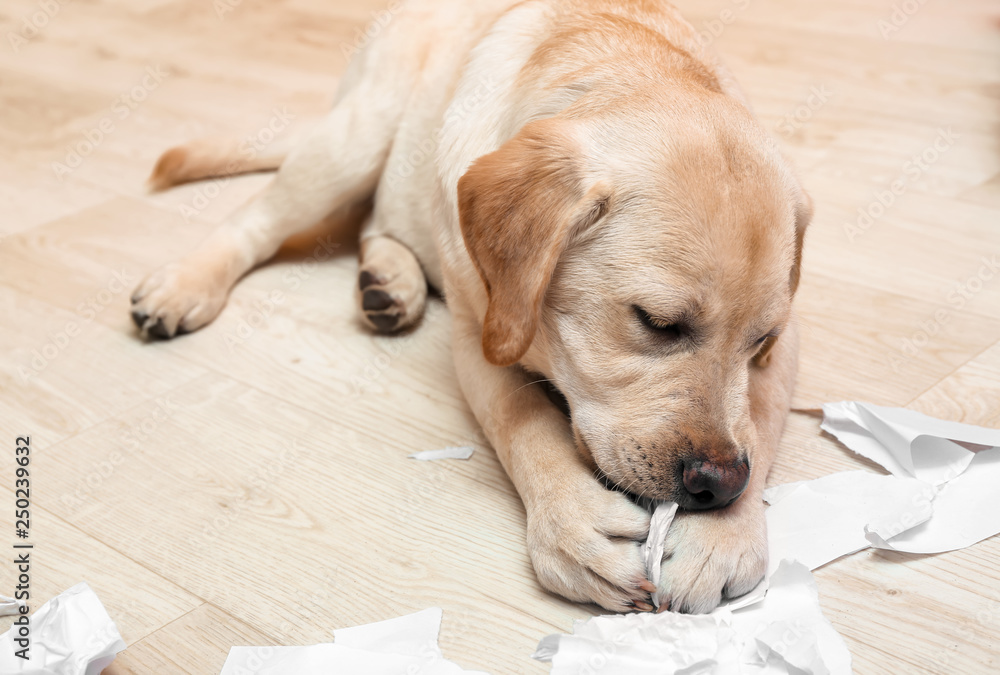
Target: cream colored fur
556, 169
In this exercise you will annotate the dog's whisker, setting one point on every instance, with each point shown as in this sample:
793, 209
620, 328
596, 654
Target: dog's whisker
528, 384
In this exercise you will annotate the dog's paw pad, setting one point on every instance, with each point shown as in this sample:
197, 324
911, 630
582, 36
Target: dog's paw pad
159, 330
382, 311
368, 278
376, 300
392, 290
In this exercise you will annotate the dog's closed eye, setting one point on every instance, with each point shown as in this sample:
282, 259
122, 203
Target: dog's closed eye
765, 340
665, 329
761, 349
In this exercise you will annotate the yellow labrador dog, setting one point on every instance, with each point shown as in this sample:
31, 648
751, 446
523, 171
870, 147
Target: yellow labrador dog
590, 190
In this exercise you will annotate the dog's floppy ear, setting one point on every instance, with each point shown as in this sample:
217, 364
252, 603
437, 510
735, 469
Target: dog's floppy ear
518, 207
803, 216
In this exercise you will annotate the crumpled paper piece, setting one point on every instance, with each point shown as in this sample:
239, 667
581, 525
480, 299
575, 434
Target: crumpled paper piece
786, 633
463, 452
406, 644
959, 463
71, 634
10, 606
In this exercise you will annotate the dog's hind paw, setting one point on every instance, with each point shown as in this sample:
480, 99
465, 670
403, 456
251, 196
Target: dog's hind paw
392, 290
175, 299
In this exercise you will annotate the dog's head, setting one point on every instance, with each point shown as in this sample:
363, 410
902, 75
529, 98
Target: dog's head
646, 269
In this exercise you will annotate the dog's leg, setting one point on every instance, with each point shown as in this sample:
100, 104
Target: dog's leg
582, 538
337, 164
710, 555
392, 289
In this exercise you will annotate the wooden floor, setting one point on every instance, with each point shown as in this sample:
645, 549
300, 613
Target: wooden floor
248, 483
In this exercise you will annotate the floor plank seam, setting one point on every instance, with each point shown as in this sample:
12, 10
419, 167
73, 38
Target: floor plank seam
958, 368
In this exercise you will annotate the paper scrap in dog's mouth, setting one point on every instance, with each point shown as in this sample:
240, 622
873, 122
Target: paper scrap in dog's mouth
652, 550
463, 452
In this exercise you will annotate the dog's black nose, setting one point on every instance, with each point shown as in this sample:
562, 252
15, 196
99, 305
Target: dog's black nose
711, 485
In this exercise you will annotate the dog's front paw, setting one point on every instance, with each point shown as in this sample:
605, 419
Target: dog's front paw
710, 555
584, 544
178, 298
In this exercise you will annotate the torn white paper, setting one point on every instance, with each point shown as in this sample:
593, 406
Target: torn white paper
943, 495
791, 625
635, 643
966, 511
407, 644
463, 452
71, 634
652, 549
10, 606
752, 597
961, 460
820, 520
786, 633
906, 442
